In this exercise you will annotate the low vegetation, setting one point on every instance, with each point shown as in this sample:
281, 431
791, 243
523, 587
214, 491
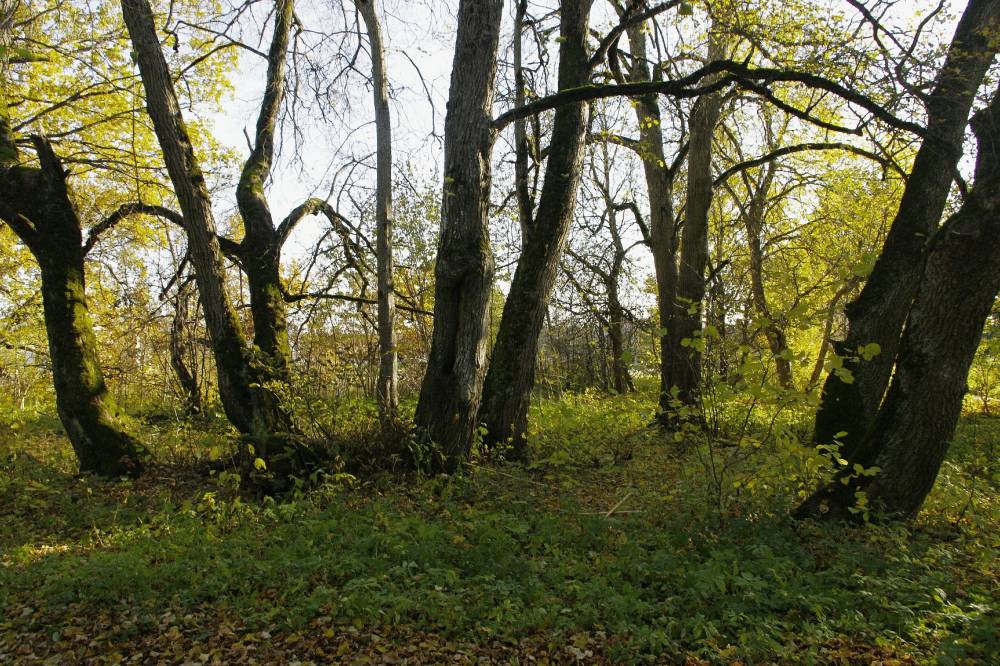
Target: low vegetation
616, 546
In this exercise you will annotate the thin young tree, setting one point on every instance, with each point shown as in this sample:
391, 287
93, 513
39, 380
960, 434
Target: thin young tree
386, 388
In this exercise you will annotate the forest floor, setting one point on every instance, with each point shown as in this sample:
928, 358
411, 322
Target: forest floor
615, 548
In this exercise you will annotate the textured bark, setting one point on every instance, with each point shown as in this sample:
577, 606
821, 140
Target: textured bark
187, 378
35, 203
386, 387
245, 379
685, 369
753, 219
260, 250
621, 378
525, 196
659, 191
878, 314
511, 375
914, 426
452, 385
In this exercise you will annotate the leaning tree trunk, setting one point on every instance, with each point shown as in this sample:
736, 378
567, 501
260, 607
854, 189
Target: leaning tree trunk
386, 388
878, 314
35, 203
914, 427
685, 375
245, 382
511, 374
452, 384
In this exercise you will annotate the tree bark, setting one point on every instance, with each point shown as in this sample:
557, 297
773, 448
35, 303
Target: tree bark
913, 429
386, 389
452, 385
246, 381
260, 250
511, 375
36, 205
684, 381
753, 219
879, 312
659, 191
187, 379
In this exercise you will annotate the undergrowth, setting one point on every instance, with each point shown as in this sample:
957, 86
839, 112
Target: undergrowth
615, 545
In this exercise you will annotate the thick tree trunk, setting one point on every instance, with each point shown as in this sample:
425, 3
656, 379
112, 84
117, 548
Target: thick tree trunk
452, 385
386, 389
913, 429
878, 314
511, 375
35, 203
246, 383
685, 369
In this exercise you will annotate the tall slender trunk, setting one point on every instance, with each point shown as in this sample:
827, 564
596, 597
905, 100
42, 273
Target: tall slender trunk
685, 369
511, 374
878, 313
525, 196
753, 220
260, 250
914, 426
386, 389
35, 203
245, 381
659, 191
452, 384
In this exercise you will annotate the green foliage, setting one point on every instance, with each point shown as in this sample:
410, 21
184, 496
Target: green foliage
629, 562
588, 429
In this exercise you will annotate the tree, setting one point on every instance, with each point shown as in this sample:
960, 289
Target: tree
684, 380
511, 374
876, 316
386, 390
452, 386
35, 203
894, 467
246, 380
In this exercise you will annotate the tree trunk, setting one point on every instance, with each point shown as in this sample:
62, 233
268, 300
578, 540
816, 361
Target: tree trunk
511, 375
878, 314
452, 384
685, 369
659, 190
621, 379
186, 378
753, 219
913, 429
245, 383
35, 203
386, 390
260, 250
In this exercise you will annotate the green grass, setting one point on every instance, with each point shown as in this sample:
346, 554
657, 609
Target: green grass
500, 564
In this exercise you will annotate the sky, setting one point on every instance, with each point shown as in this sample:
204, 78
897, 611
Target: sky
419, 36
